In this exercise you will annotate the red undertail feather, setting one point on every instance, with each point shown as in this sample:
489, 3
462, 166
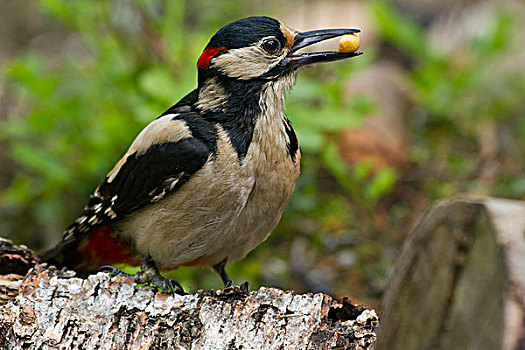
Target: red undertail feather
85, 254
103, 248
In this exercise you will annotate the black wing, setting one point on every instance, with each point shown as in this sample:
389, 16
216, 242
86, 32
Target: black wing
148, 172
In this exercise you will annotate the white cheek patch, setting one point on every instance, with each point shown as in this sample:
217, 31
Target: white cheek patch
246, 62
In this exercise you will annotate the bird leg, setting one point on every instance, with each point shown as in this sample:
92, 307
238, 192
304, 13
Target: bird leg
220, 268
148, 274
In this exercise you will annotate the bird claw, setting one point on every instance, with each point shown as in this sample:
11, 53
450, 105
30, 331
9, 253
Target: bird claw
113, 271
228, 284
245, 287
150, 274
220, 268
157, 280
167, 284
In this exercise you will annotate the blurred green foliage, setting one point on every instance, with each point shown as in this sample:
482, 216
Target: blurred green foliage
460, 95
131, 60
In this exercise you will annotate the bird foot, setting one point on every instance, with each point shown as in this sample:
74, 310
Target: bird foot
164, 284
244, 287
150, 274
147, 276
220, 268
113, 271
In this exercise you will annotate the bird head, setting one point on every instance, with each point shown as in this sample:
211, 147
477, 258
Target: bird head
262, 48
245, 71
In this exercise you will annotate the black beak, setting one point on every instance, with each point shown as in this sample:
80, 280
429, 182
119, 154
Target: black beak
308, 38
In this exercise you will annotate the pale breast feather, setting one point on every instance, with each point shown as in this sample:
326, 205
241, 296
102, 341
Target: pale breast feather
151, 169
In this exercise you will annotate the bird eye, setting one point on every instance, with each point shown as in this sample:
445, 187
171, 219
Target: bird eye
271, 45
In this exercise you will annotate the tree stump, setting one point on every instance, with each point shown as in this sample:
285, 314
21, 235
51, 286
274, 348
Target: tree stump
460, 280
55, 310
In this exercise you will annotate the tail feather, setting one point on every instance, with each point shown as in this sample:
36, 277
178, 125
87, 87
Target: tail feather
85, 253
69, 254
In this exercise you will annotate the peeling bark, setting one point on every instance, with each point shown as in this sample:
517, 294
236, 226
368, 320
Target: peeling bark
57, 311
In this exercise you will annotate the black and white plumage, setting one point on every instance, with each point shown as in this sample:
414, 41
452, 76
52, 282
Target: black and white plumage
208, 180
164, 155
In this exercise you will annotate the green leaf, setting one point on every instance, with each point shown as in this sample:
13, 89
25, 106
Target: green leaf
157, 83
381, 184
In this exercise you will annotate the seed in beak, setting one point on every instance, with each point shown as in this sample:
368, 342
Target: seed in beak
349, 43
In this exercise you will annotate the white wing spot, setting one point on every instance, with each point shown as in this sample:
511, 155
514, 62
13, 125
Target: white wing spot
110, 212
93, 219
81, 220
159, 196
174, 182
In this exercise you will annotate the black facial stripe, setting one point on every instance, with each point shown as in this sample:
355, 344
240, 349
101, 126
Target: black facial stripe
277, 72
241, 110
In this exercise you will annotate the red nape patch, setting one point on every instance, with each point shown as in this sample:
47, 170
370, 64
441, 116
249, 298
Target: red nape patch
207, 55
104, 248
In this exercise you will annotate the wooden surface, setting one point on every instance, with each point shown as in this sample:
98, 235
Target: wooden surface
15, 261
460, 280
57, 311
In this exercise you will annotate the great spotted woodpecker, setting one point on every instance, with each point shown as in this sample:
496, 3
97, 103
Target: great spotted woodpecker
208, 180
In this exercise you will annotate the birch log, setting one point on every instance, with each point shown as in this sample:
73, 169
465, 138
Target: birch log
55, 310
